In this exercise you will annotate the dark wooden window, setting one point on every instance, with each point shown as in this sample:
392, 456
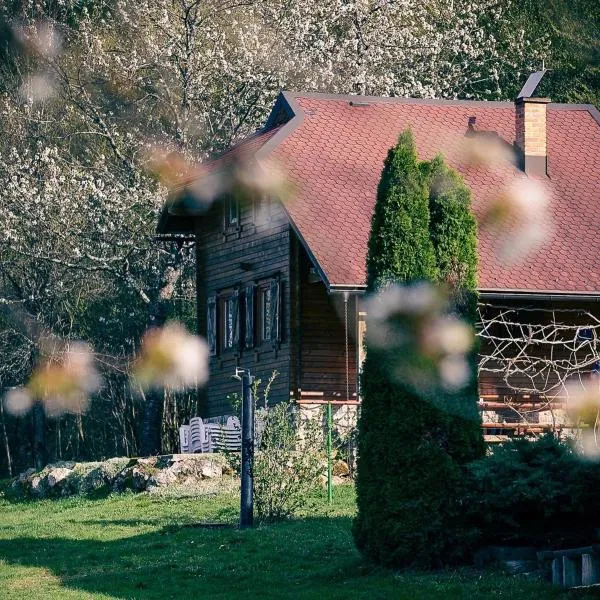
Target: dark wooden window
268, 312
231, 218
249, 320
211, 324
229, 321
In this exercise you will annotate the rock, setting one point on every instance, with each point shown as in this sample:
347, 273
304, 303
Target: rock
211, 470
26, 474
162, 479
341, 469
119, 474
62, 464
56, 476
37, 486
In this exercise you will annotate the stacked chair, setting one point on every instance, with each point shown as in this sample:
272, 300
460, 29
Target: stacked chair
210, 436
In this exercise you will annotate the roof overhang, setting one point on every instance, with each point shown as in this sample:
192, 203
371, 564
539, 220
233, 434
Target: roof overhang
543, 295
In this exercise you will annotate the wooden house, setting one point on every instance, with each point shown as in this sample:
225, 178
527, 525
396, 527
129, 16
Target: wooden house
280, 286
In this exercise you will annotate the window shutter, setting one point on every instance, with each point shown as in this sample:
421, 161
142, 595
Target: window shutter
235, 309
211, 324
249, 322
275, 310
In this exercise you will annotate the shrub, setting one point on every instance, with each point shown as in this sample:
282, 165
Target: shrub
288, 460
399, 247
286, 470
410, 449
538, 493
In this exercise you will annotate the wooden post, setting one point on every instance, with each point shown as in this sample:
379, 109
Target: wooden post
329, 463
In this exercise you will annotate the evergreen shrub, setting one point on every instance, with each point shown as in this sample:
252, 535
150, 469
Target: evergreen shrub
412, 450
535, 493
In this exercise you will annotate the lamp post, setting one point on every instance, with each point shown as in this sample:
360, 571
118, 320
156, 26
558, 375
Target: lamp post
247, 476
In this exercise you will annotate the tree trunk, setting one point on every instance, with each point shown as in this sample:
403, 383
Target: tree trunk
6, 444
157, 314
40, 452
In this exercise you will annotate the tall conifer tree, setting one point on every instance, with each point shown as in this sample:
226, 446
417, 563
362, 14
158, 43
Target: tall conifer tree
453, 232
408, 476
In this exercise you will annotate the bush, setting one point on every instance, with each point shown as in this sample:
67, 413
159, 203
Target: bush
538, 493
453, 233
286, 470
288, 460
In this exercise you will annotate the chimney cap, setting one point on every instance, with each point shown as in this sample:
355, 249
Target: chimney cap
530, 100
531, 84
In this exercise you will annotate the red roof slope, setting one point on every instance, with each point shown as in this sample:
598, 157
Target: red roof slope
334, 147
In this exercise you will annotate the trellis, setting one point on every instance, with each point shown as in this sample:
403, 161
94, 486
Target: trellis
534, 352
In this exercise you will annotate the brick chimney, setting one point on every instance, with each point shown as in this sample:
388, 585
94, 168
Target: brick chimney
530, 126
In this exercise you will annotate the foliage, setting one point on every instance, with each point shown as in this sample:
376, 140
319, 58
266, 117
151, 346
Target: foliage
399, 246
288, 460
453, 232
453, 229
286, 469
80, 258
535, 493
76, 548
573, 51
411, 447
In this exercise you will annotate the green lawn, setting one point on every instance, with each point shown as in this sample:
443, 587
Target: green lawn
139, 546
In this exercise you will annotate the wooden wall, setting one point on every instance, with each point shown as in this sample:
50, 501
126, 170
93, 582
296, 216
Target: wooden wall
258, 250
322, 352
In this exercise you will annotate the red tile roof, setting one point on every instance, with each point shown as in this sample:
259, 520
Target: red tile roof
334, 150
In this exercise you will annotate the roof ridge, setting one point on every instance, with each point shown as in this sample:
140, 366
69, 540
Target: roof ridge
432, 101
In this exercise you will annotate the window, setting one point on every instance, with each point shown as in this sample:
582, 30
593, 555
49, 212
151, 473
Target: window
232, 212
249, 314
267, 312
211, 324
227, 323
228, 320
265, 316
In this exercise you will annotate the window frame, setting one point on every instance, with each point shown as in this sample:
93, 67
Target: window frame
230, 223
227, 341
264, 292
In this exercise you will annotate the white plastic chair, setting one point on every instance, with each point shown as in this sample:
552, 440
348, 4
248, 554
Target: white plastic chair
184, 439
224, 437
197, 436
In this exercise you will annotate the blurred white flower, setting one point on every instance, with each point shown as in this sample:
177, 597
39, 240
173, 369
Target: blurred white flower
590, 444
194, 187
583, 402
172, 358
454, 372
63, 386
424, 342
18, 401
258, 180
484, 151
446, 335
520, 217
39, 87
42, 39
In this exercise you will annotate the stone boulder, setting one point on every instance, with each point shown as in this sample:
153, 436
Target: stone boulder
119, 474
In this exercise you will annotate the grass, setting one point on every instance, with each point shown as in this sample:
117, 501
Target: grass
141, 546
